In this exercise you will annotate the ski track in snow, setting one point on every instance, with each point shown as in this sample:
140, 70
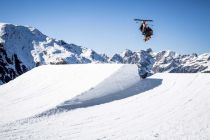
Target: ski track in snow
117, 105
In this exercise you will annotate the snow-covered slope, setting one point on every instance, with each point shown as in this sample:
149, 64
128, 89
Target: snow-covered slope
114, 104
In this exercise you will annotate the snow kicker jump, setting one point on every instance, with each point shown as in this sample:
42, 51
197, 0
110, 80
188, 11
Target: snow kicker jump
51, 86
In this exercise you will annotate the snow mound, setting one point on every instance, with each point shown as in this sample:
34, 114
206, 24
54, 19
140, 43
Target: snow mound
123, 83
50, 86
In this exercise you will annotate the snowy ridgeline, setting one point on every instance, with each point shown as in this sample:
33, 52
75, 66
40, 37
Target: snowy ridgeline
104, 101
23, 48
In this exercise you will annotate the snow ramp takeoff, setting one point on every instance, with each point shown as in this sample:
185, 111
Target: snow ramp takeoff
46, 87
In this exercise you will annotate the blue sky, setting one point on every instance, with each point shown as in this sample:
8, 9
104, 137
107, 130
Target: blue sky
107, 26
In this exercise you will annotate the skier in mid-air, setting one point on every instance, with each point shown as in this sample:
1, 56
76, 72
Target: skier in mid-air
145, 29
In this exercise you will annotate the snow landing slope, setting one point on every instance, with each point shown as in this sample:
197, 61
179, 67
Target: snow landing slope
163, 106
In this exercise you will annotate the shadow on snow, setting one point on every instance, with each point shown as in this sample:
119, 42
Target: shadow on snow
81, 102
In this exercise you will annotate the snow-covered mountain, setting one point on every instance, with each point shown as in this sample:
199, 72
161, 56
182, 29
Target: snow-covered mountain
23, 48
150, 62
144, 60
169, 61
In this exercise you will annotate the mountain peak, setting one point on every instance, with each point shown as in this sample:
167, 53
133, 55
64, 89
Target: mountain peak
23, 48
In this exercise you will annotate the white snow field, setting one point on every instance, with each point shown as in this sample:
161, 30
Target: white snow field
104, 101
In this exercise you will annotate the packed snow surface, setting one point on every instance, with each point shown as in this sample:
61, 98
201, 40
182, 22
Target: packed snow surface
104, 101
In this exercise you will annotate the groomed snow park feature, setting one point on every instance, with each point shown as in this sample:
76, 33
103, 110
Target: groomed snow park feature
104, 101
48, 86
